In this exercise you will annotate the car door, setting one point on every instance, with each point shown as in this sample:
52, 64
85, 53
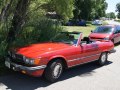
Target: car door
90, 52
116, 36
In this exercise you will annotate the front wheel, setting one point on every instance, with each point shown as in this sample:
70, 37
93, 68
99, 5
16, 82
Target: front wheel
103, 58
54, 71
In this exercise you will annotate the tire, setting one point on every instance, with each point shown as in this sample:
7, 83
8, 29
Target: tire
53, 71
103, 59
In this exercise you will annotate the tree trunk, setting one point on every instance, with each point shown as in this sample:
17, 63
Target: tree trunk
18, 20
5, 10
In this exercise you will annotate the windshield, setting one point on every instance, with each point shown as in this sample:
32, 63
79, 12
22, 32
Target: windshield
66, 37
103, 29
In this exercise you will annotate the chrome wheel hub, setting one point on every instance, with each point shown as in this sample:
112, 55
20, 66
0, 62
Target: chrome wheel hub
103, 58
57, 70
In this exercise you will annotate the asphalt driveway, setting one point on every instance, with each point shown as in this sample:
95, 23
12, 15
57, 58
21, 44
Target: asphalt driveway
85, 77
112, 22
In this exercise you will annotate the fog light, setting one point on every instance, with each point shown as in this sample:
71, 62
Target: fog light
24, 72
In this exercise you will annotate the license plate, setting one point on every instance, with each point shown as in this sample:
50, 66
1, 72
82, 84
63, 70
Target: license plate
7, 64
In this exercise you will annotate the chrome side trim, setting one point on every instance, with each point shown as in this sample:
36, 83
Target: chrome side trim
83, 58
81, 64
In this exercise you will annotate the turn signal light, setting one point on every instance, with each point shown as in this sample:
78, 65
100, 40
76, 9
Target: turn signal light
37, 61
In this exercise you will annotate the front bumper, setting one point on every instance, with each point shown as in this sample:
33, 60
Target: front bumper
112, 51
34, 71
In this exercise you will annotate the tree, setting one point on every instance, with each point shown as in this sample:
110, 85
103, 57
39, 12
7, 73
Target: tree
6, 9
98, 8
21, 10
90, 9
118, 9
111, 15
18, 20
84, 8
63, 8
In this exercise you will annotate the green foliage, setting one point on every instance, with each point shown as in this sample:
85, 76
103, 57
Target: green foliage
63, 8
118, 9
111, 15
38, 31
99, 8
90, 9
3, 43
3, 46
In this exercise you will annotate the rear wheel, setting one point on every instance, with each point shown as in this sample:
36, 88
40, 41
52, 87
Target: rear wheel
53, 71
103, 58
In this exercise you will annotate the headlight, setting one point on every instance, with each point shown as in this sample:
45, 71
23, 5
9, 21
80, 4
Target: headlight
32, 61
29, 61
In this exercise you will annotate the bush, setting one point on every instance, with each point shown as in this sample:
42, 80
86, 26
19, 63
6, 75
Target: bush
3, 43
41, 30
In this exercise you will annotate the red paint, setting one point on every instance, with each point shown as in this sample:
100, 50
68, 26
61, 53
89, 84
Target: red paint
34, 50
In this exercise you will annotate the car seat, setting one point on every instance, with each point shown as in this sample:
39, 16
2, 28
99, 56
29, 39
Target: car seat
86, 39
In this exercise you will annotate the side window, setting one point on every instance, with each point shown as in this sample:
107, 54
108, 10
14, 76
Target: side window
115, 30
118, 29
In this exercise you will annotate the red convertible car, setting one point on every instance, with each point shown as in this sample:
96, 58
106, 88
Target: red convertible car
64, 51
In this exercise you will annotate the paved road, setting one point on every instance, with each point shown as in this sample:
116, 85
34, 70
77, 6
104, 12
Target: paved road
85, 77
113, 22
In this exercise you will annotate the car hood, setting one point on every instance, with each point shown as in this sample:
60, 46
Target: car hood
98, 35
35, 50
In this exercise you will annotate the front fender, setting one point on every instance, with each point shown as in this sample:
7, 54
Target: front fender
57, 56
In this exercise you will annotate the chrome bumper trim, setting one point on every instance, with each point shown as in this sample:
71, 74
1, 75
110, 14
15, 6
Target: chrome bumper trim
17, 67
112, 51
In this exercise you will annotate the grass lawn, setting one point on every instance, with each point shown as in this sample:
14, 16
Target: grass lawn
86, 30
117, 20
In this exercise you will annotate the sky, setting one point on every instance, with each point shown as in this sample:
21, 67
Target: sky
111, 5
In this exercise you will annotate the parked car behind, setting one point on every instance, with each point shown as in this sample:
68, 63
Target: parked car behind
73, 22
106, 32
97, 22
81, 23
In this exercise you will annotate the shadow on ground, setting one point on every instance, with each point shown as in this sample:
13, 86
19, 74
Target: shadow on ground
17, 81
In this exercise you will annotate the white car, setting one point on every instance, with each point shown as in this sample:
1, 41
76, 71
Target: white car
97, 22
